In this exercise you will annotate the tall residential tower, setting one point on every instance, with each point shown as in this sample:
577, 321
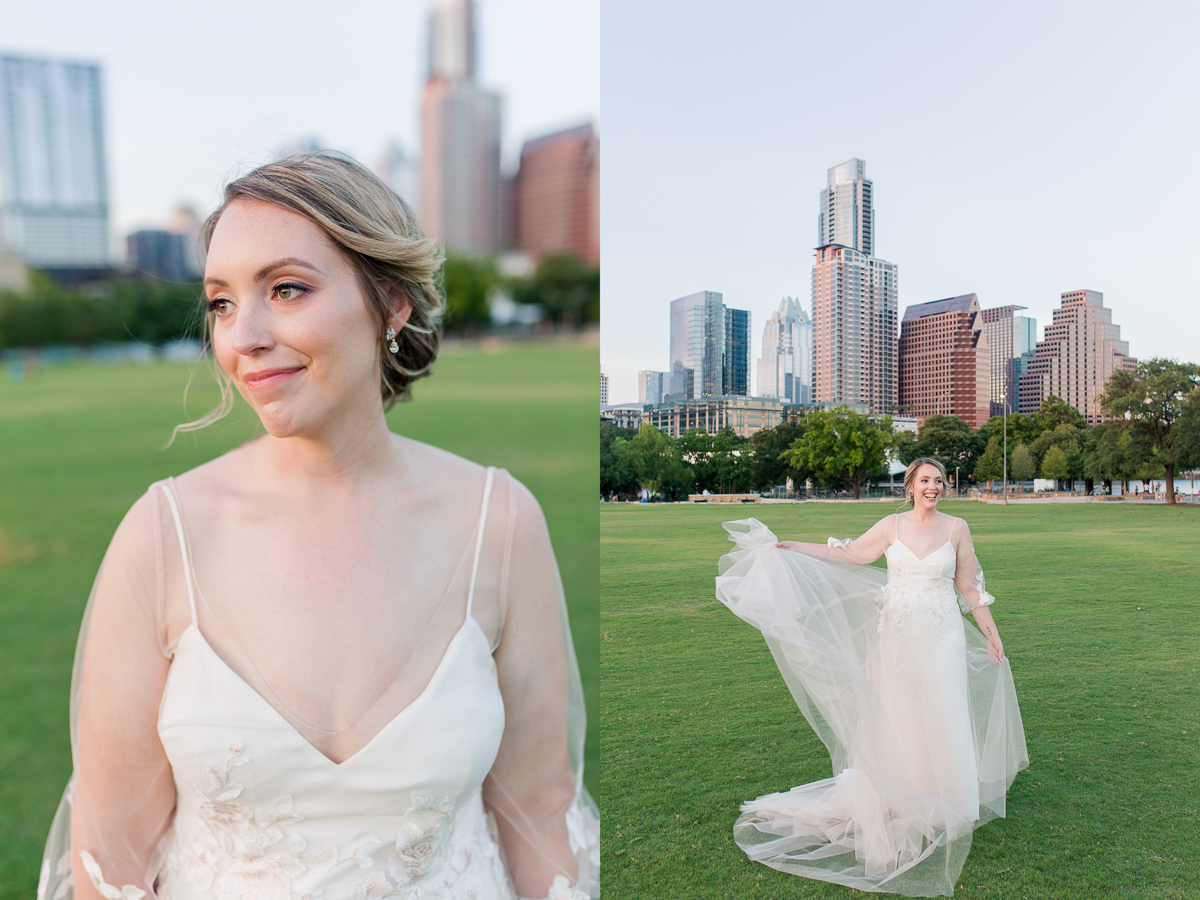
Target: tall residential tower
854, 298
944, 360
461, 187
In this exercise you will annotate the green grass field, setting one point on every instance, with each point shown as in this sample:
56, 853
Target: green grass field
1099, 608
78, 445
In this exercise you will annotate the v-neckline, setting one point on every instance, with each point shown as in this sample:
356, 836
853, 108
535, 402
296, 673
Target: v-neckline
259, 698
913, 554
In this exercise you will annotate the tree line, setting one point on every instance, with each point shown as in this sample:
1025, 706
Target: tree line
152, 311
1154, 433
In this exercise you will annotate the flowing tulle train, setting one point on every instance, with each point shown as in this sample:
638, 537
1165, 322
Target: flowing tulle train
923, 730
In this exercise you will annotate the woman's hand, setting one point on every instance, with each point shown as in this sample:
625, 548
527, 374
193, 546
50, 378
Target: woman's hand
995, 648
789, 545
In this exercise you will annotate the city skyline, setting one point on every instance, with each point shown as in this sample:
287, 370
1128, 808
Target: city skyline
1002, 167
187, 107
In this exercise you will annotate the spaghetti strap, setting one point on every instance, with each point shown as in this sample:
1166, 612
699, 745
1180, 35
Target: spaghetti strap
487, 496
183, 547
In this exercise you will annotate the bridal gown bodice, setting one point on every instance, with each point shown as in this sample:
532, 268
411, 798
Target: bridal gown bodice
261, 813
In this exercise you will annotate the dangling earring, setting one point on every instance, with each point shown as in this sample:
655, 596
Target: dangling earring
391, 336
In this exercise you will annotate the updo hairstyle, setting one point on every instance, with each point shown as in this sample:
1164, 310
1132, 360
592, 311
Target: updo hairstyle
910, 475
377, 232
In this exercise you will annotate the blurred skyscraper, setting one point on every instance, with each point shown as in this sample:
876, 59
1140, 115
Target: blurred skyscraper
785, 368
461, 190
159, 254
53, 178
710, 347
401, 173
558, 195
854, 298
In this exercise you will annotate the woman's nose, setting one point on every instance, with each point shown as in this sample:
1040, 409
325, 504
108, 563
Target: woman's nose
250, 330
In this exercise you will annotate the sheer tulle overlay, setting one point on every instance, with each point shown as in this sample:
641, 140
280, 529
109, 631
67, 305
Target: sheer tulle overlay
226, 750
923, 730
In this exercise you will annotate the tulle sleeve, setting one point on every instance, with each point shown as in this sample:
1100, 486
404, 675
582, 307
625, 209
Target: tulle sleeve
549, 826
968, 575
121, 796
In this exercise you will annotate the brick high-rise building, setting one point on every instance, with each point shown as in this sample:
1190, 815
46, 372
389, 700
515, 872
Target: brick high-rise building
461, 188
557, 195
1011, 339
1079, 352
854, 299
945, 365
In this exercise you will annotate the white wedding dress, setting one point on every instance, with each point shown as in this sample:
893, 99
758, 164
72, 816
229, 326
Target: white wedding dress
262, 814
923, 730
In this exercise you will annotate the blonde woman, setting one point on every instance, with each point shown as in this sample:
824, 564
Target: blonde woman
334, 661
916, 706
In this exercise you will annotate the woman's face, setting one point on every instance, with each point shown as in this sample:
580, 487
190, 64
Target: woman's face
291, 325
927, 487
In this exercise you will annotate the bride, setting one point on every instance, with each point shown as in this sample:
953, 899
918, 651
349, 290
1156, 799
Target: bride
334, 661
916, 707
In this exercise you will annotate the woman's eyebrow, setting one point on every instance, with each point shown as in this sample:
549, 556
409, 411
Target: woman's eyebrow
268, 269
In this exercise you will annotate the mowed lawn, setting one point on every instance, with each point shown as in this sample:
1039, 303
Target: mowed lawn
1099, 609
79, 444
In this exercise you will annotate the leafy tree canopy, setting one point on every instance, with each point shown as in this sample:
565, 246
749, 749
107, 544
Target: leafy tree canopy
947, 439
842, 447
1055, 412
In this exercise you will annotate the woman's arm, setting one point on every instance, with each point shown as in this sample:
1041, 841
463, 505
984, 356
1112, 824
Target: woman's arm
968, 578
124, 793
531, 787
863, 551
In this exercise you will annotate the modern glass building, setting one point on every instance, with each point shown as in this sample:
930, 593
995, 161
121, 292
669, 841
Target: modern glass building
710, 348
785, 367
736, 363
53, 177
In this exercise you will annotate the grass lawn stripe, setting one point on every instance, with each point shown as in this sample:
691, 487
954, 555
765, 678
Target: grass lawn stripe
1099, 608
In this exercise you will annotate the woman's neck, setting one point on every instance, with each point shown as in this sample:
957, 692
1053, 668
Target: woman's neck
341, 460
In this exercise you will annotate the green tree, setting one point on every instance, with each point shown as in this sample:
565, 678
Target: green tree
656, 462
1056, 464
617, 477
1069, 441
565, 287
843, 447
1023, 463
947, 439
766, 452
467, 281
1160, 403
1021, 428
990, 466
1054, 412
720, 462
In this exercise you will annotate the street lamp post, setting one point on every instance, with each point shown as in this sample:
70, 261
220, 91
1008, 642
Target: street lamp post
1004, 400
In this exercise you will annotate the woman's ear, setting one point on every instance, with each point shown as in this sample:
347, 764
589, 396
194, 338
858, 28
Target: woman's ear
401, 309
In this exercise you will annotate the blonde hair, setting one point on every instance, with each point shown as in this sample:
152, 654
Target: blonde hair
378, 233
910, 475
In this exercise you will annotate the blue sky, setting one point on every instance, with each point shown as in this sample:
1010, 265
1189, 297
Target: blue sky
198, 92
1017, 151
